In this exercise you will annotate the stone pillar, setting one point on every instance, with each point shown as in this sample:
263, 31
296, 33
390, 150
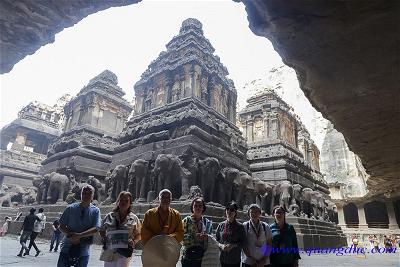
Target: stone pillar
342, 221
362, 222
392, 216
20, 140
249, 128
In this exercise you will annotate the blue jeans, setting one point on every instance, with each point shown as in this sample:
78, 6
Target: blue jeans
64, 261
55, 238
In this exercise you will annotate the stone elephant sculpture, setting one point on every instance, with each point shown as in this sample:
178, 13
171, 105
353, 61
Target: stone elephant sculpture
107, 183
189, 166
330, 205
139, 180
119, 181
264, 195
42, 185
58, 188
294, 207
305, 203
296, 199
314, 203
245, 189
75, 192
284, 190
230, 178
167, 173
321, 209
97, 185
208, 176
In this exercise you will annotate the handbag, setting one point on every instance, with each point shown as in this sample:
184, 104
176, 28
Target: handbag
126, 252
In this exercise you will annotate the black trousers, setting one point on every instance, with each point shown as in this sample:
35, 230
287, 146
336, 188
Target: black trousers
230, 265
32, 241
248, 265
190, 263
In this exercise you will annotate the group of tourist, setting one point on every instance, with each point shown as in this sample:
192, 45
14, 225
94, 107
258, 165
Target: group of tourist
390, 241
32, 226
247, 244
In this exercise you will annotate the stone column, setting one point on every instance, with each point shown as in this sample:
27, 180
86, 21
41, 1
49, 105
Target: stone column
20, 140
362, 222
249, 128
391, 214
342, 221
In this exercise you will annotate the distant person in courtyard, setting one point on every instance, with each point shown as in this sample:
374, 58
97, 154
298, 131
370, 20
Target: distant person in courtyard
258, 240
231, 237
55, 237
79, 222
354, 240
6, 224
283, 236
120, 219
27, 229
196, 230
376, 243
37, 229
162, 220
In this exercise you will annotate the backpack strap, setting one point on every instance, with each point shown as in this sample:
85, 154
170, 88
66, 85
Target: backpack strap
264, 228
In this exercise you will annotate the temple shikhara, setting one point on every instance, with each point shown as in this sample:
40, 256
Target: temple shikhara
182, 133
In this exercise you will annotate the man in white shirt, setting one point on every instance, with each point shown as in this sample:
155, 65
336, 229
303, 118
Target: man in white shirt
37, 228
259, 240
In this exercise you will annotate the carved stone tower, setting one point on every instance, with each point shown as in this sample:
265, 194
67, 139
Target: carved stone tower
93, 120
272, 133
184, 101
24, 142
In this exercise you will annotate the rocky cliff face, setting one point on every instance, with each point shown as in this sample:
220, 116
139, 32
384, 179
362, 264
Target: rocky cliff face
342, 168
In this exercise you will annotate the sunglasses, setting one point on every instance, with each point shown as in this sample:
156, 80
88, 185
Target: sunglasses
231, 210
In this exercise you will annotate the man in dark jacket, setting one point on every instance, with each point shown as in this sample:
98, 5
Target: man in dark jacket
27, 228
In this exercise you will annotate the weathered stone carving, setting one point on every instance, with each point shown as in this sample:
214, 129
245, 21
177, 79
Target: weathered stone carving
306, 196
264, 195
246, 189
119, 181
42, 185
194, 192
94, 119
167, 173
59, 186
93, 181
272, 131
209, 173
284, 190
189, 166
139, 179
229, 186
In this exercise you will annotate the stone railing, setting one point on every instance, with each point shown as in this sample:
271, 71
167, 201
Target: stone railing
22, 157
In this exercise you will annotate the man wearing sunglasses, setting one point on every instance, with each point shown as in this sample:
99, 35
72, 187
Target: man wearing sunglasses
79, 222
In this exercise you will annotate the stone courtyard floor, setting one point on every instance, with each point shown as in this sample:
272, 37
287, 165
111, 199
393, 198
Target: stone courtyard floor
9, 248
